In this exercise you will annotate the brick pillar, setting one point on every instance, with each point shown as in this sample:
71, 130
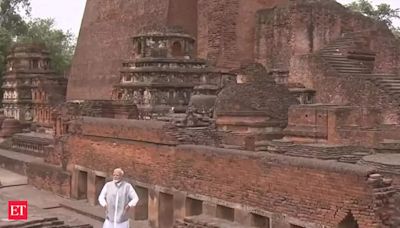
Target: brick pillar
142, 209
74, 184
91, 188
165, 210
210, 209
179, 206
153, 208
332, 124
242, 217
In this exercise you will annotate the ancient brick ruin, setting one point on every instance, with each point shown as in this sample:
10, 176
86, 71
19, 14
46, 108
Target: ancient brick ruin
223, 113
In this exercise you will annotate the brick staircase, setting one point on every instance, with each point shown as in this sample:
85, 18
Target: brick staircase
389, 83
344, 56
43, 223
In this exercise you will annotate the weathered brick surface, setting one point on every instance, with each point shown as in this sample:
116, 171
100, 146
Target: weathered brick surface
311, 190
226, 30
350, 90
305, 27
229, 33
50, 178
100, 51
205, 222
137, 130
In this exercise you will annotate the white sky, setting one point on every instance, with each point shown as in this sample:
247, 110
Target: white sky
395, 4
68, 13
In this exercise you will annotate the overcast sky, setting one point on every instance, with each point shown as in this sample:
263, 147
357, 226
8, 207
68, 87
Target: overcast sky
68, 13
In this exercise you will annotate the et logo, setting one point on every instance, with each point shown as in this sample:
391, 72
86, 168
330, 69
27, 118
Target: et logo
17, 210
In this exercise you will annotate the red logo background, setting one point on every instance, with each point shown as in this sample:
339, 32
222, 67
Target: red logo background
17, 210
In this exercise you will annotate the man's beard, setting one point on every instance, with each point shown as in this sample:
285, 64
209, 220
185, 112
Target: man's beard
117, 181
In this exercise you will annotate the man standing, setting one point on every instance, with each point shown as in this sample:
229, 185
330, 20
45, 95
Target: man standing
117, 197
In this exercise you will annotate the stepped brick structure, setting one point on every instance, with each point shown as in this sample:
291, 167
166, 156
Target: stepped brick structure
226, 113
27, 82
163, 73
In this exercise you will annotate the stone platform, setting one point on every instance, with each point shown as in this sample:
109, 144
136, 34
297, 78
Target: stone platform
8, 179
388, 163
32, 143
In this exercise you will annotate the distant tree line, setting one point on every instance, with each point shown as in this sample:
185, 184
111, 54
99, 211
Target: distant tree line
17, 27
382, 12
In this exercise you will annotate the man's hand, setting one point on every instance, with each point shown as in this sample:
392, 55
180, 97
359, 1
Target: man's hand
106, 207
127, 209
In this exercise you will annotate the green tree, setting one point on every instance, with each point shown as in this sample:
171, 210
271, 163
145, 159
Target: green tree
11, 24
10, 17
382, 12
60, 44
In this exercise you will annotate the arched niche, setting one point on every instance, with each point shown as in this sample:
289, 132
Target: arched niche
348, 222
177, 49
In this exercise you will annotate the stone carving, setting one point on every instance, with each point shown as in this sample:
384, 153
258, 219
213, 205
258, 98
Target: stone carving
28, 115
147, 97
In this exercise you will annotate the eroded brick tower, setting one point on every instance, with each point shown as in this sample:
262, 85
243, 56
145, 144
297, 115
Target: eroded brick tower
224, 31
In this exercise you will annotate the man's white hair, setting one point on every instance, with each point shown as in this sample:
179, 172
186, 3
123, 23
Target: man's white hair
119, 170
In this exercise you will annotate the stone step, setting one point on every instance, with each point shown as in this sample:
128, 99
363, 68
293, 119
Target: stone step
342, 62
335, 48
233, 147
49, 224
380, 77
339, 59
16, 162
359, 68
386, 83
343, 41
45, 223
392, 89
330, 52
11, 179
388, 79
395, 91
349, 65
366, 71
333, 54
340, 45
352, 72
81, 207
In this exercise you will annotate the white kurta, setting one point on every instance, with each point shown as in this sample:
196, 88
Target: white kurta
108, 224
132, 201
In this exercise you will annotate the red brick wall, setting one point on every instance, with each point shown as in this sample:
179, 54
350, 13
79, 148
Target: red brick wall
104, 40
49, 177
226, 30
183, 13
332, 89
229, 33
152, 131
304, 28
311, 190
